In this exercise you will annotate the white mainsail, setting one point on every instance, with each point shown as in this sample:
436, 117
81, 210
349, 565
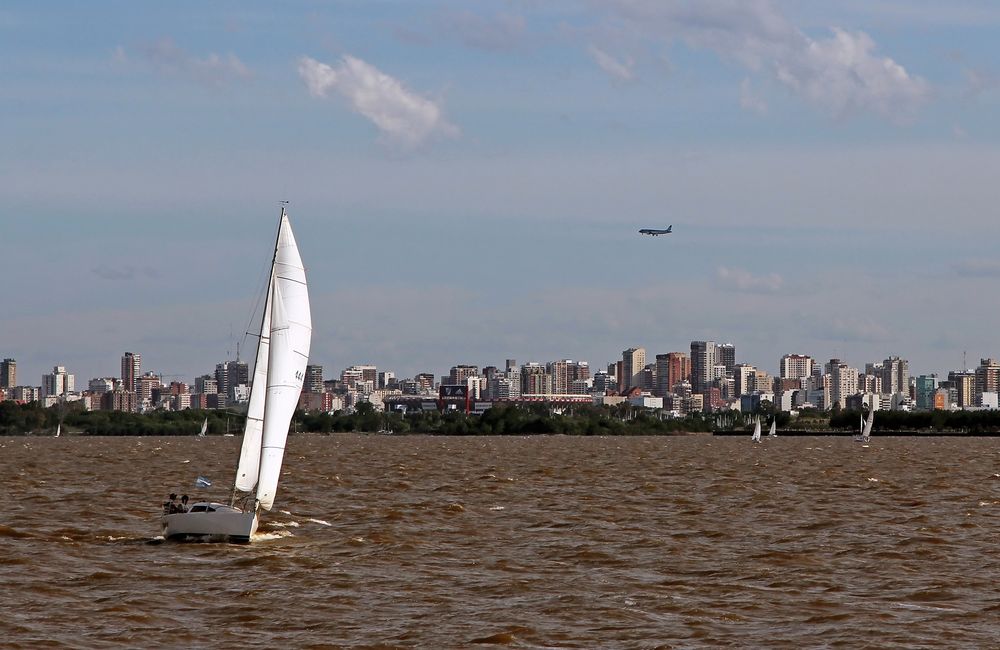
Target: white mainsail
866, 433
756, 431
288, 354
774, 429
204, 428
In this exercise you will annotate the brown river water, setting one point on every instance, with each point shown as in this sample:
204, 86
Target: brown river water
536, 542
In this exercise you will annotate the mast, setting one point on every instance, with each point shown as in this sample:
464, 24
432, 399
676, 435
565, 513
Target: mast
249, 458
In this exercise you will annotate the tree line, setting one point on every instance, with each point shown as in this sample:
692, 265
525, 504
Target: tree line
502, 419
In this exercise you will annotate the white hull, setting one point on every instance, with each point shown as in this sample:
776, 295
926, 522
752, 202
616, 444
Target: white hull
222, 523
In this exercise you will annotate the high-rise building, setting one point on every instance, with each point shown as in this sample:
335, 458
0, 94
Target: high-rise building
386, 378
987, 378
743, 379
425, 381
534, 380
459, 375
633, 362
702, 364
926, 387
895, 376
559, 371
58, 383
131, 365
145, 386
314, 379
8, 373
965, 388
725, 355
843, 382
796, 366
671, 368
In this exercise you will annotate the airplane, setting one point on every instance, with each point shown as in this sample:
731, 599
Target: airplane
654, 232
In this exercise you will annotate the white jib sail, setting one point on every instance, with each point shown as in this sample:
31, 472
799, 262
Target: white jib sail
756, 431
246, 473
291, 334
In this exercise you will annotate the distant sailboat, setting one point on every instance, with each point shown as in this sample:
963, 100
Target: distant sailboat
866, 427
58, 430
204, 428
866, 433
282, 354
773, 433
756, 431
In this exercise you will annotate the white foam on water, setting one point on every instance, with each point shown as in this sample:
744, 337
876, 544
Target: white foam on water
263, 537
185, 461
319, 521
496, 508
873, 480
285, 512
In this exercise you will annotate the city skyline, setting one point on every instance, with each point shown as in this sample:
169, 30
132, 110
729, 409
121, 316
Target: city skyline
827, 171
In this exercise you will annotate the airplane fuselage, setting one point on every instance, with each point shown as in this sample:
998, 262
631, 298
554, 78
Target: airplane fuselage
656, 231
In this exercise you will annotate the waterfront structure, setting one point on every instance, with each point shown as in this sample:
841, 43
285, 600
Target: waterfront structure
633, 362
8, 373
131, 366
795, 366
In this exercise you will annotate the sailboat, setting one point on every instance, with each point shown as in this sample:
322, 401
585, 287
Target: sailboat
756, 431
204, 428
866, 433
866, 427
58, 430
773, 433
282, 354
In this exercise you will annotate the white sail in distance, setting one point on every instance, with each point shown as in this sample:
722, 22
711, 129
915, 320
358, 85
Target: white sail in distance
288, 354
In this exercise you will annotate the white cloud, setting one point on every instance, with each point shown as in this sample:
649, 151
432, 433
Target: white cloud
623, 70
168, 58
841, 74
745, 281
750, 100
400, 114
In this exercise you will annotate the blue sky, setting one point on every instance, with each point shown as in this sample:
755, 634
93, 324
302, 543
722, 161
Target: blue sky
466, 179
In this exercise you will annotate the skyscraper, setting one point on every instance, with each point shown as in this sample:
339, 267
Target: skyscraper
131, 364
895, 376
314, 379
796, 366
702, 365
58, 383
725, 355
633, 362
8, 373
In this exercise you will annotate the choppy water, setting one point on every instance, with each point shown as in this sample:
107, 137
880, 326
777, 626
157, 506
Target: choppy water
554, 542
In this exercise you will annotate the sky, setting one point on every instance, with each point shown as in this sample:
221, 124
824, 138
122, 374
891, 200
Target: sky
466, 180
